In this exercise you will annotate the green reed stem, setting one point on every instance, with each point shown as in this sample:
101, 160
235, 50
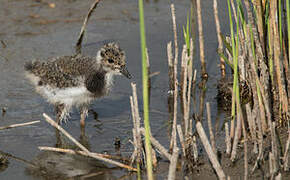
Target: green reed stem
234, 57
145, 92
236, 82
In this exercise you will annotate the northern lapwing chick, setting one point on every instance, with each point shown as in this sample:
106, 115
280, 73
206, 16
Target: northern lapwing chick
69, 81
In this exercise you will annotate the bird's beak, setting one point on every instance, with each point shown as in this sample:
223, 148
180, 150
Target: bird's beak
125, 72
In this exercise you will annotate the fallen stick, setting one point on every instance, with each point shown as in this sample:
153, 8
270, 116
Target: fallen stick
71, 151
18, 125
85, 152
156, 144
212, 157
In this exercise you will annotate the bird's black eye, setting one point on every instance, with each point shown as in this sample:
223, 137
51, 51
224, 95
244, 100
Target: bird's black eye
110, 60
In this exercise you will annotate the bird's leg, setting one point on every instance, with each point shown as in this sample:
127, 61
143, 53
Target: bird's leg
58, 110
84, 113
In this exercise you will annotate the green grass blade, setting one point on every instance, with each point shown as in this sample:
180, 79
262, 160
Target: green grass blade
145, 92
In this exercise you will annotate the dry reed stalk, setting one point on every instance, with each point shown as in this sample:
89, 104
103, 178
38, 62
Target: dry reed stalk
134, 131
245, 150
211, 135
237, 131
286, 154
260, 22
271, 164
228, 139
18, 125
183, 84
220, 41
149, 74
173, 164
173, 136
181, 138
259, 49
194, 148
212, 157
58, 127
137, 123
85, 151
200, 35
277, 63
189, 76
101, 157
193, 91
163, 151
274, 147
170, 66
78, 46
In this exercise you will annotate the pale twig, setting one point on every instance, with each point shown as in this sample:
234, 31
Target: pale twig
18, 125
179, 130
163, 151
212, 157
173, 136
80, 38
90, 154
228, 139
285, 157
211, 135
200, 35
137, 122
218, 30
173, 163
85, 152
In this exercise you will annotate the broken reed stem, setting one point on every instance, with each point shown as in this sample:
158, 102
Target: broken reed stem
181, 138
277, 63
18, 125
212, 139
78, 46
286, 154
238, 130
200, 35
71, 151
212, 156
173, 136
245, 149
85, 151
170, 67
194, 148
173, 163
184, 59
228, 139
148, 72
163, 151
101, 157
137, 123
134, 131
54, 124
218, 30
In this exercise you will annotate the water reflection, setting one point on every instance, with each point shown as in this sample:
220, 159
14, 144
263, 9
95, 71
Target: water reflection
56, 165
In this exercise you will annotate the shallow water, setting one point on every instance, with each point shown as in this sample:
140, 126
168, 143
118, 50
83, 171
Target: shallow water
33, 30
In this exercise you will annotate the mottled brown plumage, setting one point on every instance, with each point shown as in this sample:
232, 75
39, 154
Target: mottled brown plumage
77, 80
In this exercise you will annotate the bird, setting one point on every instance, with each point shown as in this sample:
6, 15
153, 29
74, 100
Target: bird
77, 80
